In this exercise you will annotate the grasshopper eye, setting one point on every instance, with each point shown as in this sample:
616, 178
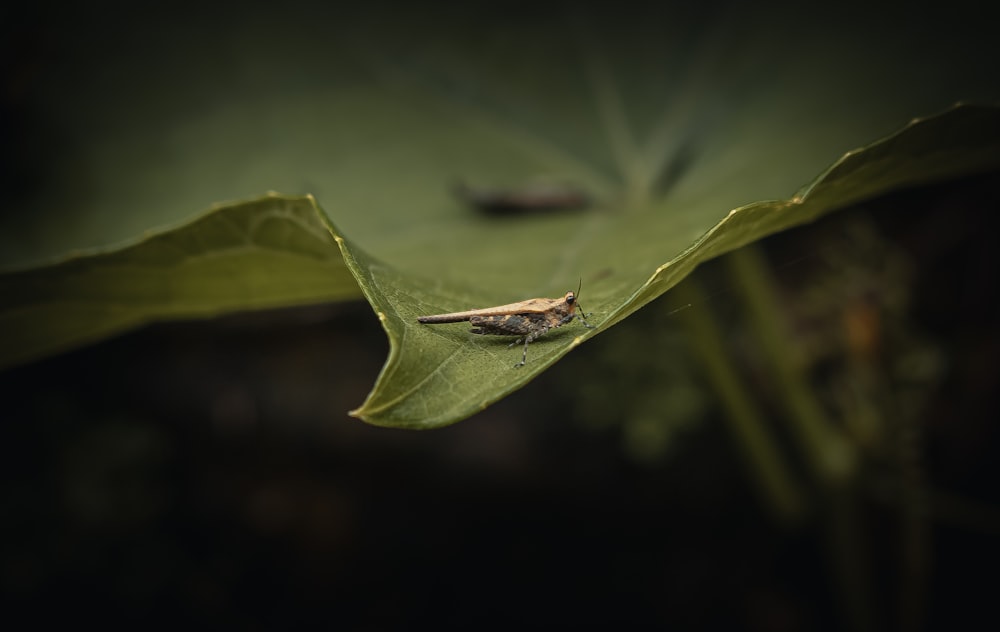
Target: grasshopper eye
570, 298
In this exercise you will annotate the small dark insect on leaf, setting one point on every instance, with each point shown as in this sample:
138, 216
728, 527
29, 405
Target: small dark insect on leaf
527, 319
538, 198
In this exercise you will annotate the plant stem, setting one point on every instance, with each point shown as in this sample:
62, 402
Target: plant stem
772, 477
830, 456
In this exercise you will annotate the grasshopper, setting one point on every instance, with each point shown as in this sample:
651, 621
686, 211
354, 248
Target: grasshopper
527, 319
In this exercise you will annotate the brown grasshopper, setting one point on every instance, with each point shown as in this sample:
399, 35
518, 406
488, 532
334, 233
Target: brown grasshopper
528, 319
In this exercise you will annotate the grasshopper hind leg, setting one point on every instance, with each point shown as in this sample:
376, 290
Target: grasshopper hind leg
524, 355
527, 340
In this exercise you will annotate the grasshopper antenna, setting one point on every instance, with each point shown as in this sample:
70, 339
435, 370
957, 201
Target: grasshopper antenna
583, 314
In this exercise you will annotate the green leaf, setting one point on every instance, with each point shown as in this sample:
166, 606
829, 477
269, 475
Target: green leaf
436, 375
669, 119
272, 252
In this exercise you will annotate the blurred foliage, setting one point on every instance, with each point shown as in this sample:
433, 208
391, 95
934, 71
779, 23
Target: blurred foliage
835, 403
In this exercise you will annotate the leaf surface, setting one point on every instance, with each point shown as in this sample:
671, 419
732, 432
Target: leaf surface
271, 252
439, 374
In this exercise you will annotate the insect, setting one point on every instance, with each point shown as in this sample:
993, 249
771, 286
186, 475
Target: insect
527, 319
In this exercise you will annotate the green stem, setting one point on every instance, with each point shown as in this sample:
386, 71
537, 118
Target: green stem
772, 477
830, 456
